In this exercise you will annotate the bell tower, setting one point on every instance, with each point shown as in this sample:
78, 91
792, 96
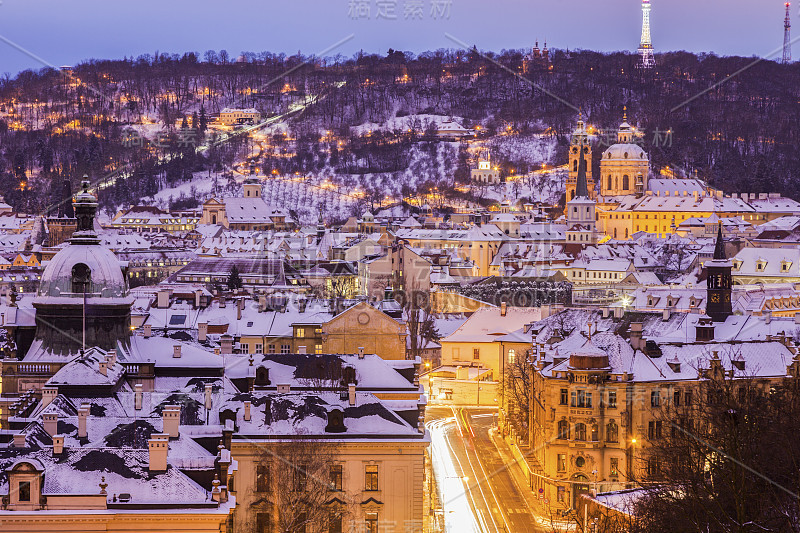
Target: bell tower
719, 282
579, 145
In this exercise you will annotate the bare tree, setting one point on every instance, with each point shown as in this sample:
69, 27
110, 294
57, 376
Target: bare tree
420, 321
727, 457
297, 482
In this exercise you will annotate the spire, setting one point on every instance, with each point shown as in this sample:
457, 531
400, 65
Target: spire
719, 248
787, 37
624, 113
582, 188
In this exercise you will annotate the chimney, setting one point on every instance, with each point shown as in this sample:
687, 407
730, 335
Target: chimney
103, 367
162, 301
208, 389
361, 352
227, 344
503, 308
222, 301
262, 303
58, 445
619, 312
176, 351
202, 331
49, 394
171, 419
137, 397
767, 317
797, 318
665, 315
148, 330
19, 440
247, 405
197, 295
606, 311
50, 423
158, 445
636, 336
239, 307
83, 414
302, 349
351, 394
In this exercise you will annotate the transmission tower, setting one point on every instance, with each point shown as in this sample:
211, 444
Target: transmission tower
646, 59
787, 38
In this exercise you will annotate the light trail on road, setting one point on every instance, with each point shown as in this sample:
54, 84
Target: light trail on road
458, 514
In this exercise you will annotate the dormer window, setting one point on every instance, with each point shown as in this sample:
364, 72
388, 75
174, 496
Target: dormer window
25, 486
785, 266
335, 422
737, 265
761, 265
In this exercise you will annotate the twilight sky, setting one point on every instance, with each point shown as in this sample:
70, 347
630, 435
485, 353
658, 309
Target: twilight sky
63, 32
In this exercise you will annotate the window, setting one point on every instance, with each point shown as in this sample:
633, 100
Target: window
612, 399
595, 433
262, 478
371, 523
300, 478
24, 491
676, 398
654, 429
560, 494
612, 432
81, 278
584, 399
335, 522
271, 348
317, 348
512, 355
653, 467
259, 348
687, 397
563, 429
476, 353
655, 398
245, 348
301, 332
285, 348
564, 396
371, 477
456, 353
588, 399
580, 431
561, 462
336, 478
572, 401
614, 470
262, 523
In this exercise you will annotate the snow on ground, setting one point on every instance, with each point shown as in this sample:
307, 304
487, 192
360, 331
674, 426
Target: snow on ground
540, 186
416, 122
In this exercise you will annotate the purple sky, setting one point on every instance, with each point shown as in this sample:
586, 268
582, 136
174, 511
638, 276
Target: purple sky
65, 32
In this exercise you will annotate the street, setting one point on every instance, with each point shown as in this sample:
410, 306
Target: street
472, 476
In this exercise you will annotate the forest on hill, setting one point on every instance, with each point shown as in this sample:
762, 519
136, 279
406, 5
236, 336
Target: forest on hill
733, 120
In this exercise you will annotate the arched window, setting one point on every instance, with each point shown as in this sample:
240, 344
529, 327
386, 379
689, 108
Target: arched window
595, 433
612, 432
81, 277
609, 182
580, 431
575, 165
563, 429
626, 182
262, 376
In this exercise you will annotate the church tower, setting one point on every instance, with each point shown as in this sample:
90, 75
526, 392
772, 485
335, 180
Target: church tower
579, 146
581, 210
625, 166
719, 282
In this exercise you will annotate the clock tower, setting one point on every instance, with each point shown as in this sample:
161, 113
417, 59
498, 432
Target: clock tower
719, 282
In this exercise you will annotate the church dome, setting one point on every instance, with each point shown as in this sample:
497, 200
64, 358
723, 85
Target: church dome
625, 151
77, 266
84, 266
